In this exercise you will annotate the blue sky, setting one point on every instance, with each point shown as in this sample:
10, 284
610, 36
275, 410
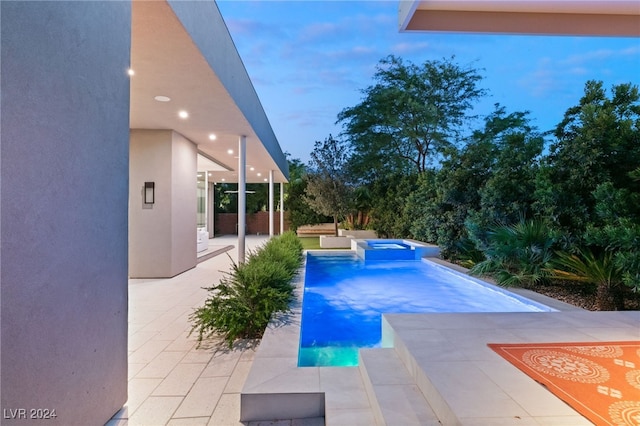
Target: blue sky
309, 60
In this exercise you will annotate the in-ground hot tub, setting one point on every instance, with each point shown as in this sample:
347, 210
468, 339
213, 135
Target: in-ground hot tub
384, 249
387, 245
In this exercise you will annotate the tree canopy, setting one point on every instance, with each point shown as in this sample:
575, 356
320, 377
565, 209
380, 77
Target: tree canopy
300, 213
328, 190
410, 116
597, 141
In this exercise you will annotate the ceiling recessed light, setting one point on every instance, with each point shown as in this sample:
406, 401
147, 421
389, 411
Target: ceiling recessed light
265, 179
210, 174
229, 151
252, 168
183, 114
259, 174
224, 180
130, 71
212, 137
161, 98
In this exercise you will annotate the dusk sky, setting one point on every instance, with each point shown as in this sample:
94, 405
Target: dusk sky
309, 60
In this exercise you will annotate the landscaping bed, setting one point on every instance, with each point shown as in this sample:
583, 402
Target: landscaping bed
581, 296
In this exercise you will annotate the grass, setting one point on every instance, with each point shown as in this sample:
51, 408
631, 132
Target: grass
313, 243
310, 243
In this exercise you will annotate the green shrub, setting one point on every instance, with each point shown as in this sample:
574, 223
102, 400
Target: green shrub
517, 254
241, 305
586, 267
265, 272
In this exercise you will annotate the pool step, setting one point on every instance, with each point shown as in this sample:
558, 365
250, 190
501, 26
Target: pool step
393, 394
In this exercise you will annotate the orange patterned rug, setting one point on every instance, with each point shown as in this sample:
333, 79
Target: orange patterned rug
600, 380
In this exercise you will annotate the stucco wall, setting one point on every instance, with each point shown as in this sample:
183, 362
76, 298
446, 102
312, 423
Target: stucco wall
64, 184
162, 236
149, 241
184, 170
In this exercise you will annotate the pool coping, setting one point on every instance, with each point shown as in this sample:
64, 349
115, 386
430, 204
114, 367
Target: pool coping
529, 294
275, 376
276, 388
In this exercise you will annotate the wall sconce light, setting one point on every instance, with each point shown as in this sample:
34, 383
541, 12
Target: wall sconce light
149, 192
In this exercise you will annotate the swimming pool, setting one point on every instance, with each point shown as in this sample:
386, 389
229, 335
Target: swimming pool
345, 296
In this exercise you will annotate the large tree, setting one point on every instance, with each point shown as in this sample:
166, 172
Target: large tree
409, 116
389, 195
300, 213
617, 228
491, 178
598, 141
328, 190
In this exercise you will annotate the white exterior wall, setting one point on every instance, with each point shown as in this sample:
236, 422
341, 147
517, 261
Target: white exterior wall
64, 184
162, 236
184, 170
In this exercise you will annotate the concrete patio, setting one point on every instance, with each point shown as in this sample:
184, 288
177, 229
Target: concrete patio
171, 382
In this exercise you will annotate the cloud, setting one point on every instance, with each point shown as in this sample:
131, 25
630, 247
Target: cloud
310, 117
367, 22
631, 51
594, 55
551, 76
406, 48
348, 28
542, 81
578, 71
312, 68
340, 77
305, 82
321, 32
353, 54
259, 81
601, 55
254, 27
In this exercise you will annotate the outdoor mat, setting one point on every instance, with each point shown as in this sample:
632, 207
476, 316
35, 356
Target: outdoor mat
600, 380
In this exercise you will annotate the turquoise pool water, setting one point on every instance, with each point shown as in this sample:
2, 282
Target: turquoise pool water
344, 298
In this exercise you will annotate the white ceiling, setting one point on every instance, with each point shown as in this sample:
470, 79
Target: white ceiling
608, 7
552, 17
166, 62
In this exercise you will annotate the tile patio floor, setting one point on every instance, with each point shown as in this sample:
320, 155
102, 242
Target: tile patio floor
170, 381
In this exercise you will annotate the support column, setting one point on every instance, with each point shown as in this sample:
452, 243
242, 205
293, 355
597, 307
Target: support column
281, 208
242, 194
211, 224
271, 195
206, 201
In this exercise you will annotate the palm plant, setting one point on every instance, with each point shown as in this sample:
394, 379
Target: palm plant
602, 271
466, 253
518, 254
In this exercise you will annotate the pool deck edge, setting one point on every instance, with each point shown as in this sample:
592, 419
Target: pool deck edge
466, 383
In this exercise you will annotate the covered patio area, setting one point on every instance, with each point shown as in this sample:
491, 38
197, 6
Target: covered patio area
196, 121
